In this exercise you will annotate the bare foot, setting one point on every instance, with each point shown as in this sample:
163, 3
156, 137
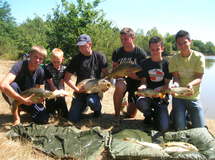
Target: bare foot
16, 122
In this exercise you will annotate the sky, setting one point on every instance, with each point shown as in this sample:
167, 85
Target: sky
168, 16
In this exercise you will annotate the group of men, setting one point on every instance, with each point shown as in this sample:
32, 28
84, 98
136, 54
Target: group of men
185, 69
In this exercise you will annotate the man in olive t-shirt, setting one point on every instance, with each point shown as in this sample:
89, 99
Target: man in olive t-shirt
187, 68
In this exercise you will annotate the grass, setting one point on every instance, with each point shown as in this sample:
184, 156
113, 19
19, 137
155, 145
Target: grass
15, 150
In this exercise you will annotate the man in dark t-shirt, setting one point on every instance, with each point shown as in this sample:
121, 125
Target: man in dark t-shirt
86, 64
24, 75
128, 53
155, 75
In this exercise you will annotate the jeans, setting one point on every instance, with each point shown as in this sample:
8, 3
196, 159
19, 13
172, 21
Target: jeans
58, 104
182, 107
80, 103
37, 111
156, 108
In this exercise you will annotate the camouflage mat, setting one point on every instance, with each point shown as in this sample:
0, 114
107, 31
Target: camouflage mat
70, 142
129, 145
63, 142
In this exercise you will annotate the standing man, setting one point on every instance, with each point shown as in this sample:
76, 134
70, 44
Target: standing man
24, 75
86, 64
128, 53
155, 75
187, 68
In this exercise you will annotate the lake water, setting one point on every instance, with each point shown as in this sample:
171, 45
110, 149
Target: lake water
208, 88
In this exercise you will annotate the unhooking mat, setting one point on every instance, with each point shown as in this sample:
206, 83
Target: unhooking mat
70, 142
63, 142
126, 146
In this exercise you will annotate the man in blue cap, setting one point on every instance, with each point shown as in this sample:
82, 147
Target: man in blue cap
86, 64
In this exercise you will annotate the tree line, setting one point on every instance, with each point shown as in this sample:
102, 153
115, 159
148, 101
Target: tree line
67, 21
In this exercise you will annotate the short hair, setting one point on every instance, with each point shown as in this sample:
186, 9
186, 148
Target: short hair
57, 52
127, 31
38, 49
182, 33
155, 39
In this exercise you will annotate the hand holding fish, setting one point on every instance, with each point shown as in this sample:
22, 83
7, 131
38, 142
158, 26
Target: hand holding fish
27, 100
80, 89
189, 86
142, 87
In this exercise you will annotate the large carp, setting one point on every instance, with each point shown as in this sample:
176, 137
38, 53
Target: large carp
123, 70
38, 94
168, 147
92, 85
171, 147
150, 93
180, 91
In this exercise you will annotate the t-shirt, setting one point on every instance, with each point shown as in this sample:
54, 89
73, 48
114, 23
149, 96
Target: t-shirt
87, 66
26, 79
133, 57
154, 72
187, 67
56, 75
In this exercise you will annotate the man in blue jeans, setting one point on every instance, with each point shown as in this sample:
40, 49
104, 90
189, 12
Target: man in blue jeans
155, 75
187, 68
86, 64
23, 75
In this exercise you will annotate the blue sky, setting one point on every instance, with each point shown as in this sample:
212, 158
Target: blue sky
195, 16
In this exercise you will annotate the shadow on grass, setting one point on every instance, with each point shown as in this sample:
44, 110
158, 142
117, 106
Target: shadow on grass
6, 121
110, 122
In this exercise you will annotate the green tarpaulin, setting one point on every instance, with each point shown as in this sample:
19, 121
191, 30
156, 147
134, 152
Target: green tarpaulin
70, 142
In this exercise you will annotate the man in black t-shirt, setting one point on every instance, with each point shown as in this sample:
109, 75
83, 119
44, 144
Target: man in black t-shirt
86, 64
128, 53
155, 75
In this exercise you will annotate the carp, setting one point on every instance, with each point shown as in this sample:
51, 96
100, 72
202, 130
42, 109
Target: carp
171, 147
150, 93
143, 143
123, 70
94, 85
38, 94
180, 91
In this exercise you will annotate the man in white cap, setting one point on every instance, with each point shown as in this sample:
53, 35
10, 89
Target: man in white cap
86, 64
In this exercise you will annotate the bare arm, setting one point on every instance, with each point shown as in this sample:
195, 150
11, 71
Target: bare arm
166, 84
176, 77
51, 84
68, 81
8, 90
196, 81
104, 72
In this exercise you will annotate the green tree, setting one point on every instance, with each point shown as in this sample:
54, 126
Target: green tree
198, 46
72, 19
210, 48
169, 44
7, 31
32, 32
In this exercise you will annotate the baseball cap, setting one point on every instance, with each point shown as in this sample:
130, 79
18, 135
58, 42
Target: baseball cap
83, 39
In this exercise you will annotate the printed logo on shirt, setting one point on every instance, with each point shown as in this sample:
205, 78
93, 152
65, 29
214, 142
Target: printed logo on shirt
128, 60
156, 75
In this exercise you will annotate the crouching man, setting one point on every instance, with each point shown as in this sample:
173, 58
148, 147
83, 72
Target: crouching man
23, 75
